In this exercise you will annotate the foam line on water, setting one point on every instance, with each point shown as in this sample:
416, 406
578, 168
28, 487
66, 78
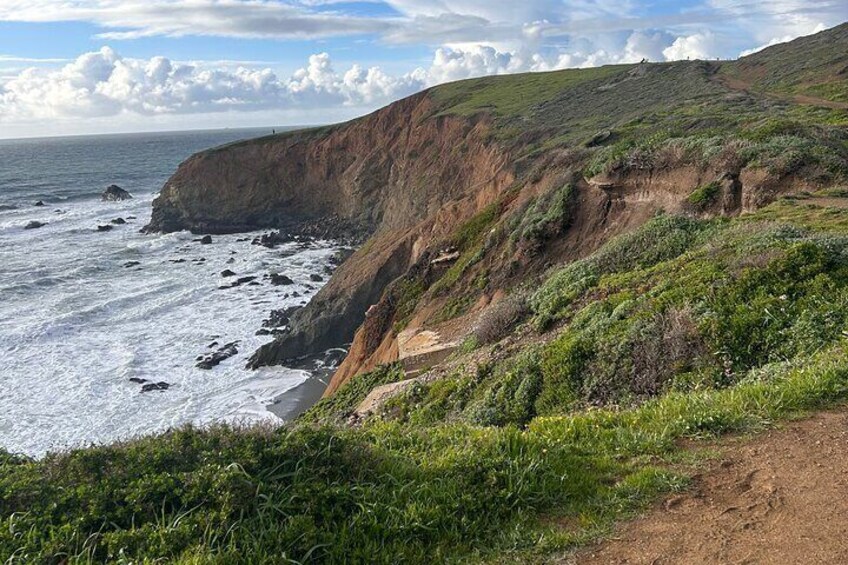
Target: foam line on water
75, 325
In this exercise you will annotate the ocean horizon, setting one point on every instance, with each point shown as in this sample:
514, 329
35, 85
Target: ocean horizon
92, 310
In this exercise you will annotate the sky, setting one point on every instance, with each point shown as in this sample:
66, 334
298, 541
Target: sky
107, 66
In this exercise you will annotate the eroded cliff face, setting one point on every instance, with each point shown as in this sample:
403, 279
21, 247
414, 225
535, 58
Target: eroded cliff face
602, 208
389, 170
403, 176
464, 193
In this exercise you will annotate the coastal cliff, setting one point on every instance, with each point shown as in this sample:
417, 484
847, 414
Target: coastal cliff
468, 190
401, 177
571, 286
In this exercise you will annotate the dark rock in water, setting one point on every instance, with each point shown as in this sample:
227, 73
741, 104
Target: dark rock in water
115, 193
177, 260
227, 273
253, 283
214, 359
205, 240
213, 344
106, 227
138, 380
279, 318
131, 217
238, 282
275, 238
39, 203
278, 279
131, 264
295, 294
35, 224
161, 385
316, 277
263, 331
230, 261
119, 221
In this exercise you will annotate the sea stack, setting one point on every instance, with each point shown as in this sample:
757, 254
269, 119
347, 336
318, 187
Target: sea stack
115, 193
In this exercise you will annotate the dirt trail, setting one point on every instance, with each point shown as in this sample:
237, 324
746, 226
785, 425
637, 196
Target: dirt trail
739, 84
828, 201
777, 498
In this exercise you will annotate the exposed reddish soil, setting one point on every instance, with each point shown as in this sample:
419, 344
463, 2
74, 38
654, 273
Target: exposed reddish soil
777, 498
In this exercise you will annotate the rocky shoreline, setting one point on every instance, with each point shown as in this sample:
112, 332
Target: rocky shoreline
388, 183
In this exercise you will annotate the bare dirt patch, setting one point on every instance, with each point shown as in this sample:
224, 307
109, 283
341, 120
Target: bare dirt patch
777, 498
743, 85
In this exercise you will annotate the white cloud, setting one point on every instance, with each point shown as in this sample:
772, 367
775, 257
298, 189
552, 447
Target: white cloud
454, 63
103, 83
468, 38
131, 19
700, 45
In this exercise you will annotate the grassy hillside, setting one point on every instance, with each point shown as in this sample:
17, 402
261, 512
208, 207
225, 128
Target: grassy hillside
724, 325
565, 407
822, 72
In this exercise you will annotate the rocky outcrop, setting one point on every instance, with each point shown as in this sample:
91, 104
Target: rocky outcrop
401, 176
217, 357
115, 193
388, 170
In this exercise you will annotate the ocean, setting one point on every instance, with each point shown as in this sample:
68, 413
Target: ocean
84, 311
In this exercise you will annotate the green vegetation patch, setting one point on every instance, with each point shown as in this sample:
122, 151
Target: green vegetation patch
512, 95
384, 493
684, 328
705, 195
336, 408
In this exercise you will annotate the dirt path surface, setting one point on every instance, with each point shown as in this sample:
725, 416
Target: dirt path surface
828, 202
739, 84
776, 498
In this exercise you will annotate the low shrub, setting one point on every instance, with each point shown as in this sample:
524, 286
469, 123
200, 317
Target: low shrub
499, 319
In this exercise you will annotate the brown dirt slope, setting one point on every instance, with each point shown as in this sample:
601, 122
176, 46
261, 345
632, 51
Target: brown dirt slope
779, 498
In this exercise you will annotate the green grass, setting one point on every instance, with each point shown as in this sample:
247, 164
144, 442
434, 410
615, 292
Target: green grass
385, 493
513, 95
738, 323
705, 195
809, 65
680, 304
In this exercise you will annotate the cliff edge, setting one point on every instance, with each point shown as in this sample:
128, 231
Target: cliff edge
471, 189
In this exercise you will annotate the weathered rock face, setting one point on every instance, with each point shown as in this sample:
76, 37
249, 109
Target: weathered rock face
401, 175
391, 169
